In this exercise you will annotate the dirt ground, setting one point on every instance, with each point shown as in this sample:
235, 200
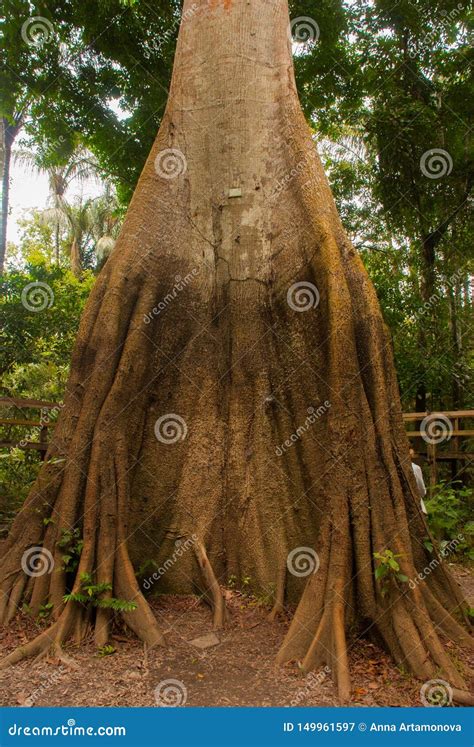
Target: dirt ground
237, 670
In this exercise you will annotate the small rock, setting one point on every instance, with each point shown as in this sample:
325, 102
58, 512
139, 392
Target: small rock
205, 641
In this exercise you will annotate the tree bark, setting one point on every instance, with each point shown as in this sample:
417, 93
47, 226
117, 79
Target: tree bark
197, 317
8, 134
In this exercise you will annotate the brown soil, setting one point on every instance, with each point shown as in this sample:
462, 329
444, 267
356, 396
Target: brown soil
239, 671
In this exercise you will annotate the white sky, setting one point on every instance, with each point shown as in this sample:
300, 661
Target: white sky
26, 191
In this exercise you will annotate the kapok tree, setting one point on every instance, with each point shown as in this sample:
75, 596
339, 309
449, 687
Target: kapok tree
233, 383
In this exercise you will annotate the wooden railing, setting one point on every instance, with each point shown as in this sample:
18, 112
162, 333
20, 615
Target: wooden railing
447, 449
41, 424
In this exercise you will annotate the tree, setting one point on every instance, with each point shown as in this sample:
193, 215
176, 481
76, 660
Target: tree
22, 67
233, 384
79, 167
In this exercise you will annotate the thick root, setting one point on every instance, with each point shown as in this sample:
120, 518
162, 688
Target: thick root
463, 697
212, 590
279, 604
408, 619
52, 637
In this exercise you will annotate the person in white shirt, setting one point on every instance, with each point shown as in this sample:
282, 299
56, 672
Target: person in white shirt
420, 483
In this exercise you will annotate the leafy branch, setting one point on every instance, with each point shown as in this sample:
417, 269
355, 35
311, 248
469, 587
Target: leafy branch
90, 595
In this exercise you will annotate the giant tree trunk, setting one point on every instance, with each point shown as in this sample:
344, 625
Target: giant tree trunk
199, 316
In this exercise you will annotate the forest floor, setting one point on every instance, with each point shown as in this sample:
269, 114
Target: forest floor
237, 670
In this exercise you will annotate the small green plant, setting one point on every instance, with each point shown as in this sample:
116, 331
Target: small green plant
427, 543
71, 545
450, 509
264, 597
91, 595
388, 572
45, 611
106, 650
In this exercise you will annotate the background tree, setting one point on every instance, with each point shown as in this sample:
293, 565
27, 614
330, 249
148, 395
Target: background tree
79, 168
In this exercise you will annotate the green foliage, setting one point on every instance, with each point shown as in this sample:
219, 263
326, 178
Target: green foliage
71, 545
35, 348
403, 88
35, 339
106, 650
91, 595
45, 611
450, 511
387, 571
18, 470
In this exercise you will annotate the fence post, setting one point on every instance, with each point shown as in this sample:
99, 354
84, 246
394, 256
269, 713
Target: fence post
433, 467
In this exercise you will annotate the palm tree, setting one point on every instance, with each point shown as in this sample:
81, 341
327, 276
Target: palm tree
105, 224
79, 168
86, 227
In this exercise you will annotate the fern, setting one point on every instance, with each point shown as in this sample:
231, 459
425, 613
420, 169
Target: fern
119, 605
77, 597
90, 595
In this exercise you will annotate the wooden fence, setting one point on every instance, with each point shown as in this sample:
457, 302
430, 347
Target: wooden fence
41, 424
448, 449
